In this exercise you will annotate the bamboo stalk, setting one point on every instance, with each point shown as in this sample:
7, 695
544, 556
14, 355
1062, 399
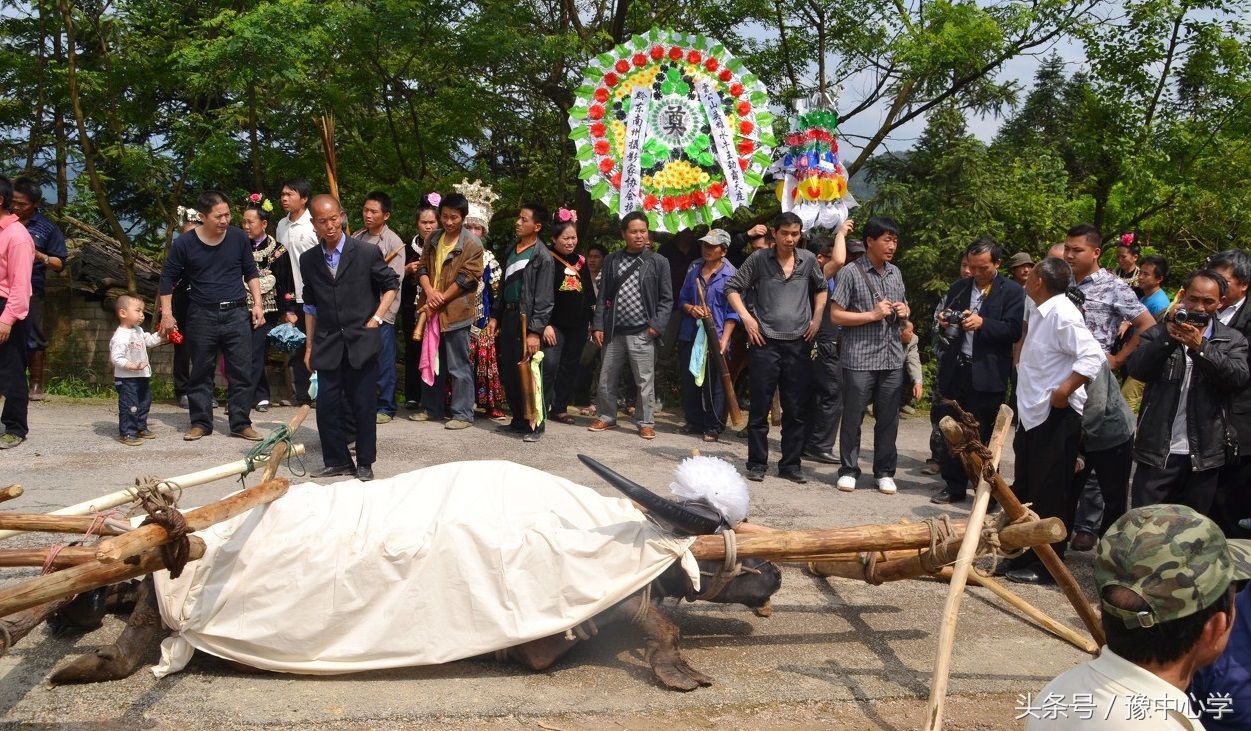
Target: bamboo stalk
113, 550
71, 556
1033, 613
167, 486
41, 523
959, 577
11, 492
85, 577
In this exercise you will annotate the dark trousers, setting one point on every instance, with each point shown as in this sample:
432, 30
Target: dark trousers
508, 349
565, 373
1177, 482
1045, 456
1111, 468
702, 406
182, 353
134, 399
347, 395
228, 332
386, 371
260, 351
412, 354
983, 406
825, 406
782, 366
299, 374
1233, 496
587, 374
882, 389
13, 386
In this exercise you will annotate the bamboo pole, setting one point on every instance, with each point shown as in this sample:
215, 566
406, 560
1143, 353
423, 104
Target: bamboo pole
172, 484
280, 449
802, 544
71, 556
10, 492
41, 523
1033, 613
960, 573
85, 577
113, 550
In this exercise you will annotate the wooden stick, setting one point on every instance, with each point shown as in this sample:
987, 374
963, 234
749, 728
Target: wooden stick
117, 549
82, 578
735, 414
959, 577
1033, 613
71, 556
1012, 506
422, 318
391, 257
10, 492
797, 545
41, 523
280, 449
20, 624
167, 486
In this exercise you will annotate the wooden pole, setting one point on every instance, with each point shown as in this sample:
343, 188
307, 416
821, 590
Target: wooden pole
71, 556
167, 486
960, 574
10, 492
1034, 614
113, 550
41, 523
82, 578
1012, 506
20, 624
280, 449
802, 544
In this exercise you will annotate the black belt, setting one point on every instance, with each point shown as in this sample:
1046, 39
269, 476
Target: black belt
512, 306
223, 306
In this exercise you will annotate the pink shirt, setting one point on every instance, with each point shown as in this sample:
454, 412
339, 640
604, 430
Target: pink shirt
17, 260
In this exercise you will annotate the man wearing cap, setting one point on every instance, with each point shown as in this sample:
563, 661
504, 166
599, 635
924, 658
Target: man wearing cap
788, 300
703, 295
1019, 266
1165, 578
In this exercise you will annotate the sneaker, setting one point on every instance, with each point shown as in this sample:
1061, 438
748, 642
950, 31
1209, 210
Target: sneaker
908, 410
419, 416
886, 485
601, 425
710, 437
458, 424
756, 474
183, 403
9, 441
382, 418
412, 405
846, 483
262, 407
1083, 540
532, 436
647, 432
130, 440
145, 434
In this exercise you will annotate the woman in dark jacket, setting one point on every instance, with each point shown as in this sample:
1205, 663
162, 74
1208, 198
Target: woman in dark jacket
573, 304
277, 288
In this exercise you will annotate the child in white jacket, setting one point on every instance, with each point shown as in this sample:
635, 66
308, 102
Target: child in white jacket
132, 373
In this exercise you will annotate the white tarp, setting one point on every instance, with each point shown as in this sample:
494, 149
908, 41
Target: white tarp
427, 567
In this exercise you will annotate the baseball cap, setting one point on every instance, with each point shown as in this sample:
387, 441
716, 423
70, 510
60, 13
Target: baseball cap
1173, 558
717, 237
1018, 259
855, 246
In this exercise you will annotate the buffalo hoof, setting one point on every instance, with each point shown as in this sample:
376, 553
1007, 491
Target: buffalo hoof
107, 663
674, 673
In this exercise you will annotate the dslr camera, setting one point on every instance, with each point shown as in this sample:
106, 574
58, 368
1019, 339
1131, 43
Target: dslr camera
1182, 316
949, 324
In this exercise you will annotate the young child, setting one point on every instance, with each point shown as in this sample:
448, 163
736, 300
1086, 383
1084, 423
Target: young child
131, 371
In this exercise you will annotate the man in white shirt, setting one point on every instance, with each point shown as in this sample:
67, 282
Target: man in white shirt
1058, 358
1165, 577
1233, 488
295, 232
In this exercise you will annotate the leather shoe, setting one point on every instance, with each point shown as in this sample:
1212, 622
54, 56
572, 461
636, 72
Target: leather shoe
249, 434
1083, 540
795, 477
947, 497
194, 433
1030, 575
813, 455
647, 432
755, 474
346, 470
364, 473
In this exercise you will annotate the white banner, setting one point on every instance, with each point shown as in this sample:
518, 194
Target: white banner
631, 168
723, 143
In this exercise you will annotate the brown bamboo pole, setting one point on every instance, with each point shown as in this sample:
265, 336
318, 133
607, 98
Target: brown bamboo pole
113, 550
799, 545
1031, 612
82, 578
960, 573
41, 523
280, 449
71, 556
10, 492
1012, 506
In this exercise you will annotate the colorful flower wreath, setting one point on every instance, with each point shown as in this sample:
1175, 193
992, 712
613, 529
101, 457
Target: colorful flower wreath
813, 181
674, 125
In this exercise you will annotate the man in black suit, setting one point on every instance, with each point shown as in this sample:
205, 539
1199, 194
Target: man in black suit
1233, 488
985, 313
348, 289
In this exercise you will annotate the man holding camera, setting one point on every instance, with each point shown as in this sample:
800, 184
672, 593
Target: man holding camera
980, 325
1192, 364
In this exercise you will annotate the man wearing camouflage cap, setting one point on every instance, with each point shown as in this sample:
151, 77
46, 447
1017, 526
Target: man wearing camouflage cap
1165, 576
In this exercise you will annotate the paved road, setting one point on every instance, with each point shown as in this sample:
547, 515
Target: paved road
835, 654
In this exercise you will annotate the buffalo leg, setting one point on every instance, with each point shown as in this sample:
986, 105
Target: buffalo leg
143, 630
542, 653
661, 636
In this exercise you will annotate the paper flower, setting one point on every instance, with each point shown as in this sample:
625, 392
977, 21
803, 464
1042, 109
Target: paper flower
255, 197
267, 206
434, 199
1127, 239
567, 215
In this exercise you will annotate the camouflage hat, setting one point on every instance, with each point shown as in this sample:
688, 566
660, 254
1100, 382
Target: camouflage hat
1173, 558
717, 237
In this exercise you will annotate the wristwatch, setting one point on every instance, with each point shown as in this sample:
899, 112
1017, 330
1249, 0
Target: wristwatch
376, 319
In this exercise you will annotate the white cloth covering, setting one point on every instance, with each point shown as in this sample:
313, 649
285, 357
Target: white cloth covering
427, 567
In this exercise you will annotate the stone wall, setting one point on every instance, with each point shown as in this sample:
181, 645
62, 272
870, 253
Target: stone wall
79, 328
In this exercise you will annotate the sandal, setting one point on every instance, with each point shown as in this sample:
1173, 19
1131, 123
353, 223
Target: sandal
563, 418
588, 410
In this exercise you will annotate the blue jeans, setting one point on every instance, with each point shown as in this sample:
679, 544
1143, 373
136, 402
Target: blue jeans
454, 366
134, 398
386, 370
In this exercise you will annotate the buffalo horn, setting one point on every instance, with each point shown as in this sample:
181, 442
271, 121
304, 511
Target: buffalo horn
679, 517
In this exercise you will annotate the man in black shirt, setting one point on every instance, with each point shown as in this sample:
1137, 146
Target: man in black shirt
216, 259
